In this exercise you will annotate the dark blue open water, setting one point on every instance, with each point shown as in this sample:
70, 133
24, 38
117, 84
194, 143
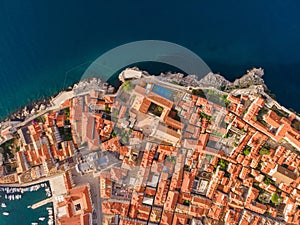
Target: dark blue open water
40, 41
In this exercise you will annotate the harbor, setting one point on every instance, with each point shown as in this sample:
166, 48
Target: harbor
30, 205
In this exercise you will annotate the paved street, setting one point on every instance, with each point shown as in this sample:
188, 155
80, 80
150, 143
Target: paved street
95, 192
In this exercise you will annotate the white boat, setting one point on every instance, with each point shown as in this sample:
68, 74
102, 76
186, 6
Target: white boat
42, 218
29, 206
5, 213
3, 205
34, 223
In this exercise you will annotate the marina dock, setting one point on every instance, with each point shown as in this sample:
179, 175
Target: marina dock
41, 203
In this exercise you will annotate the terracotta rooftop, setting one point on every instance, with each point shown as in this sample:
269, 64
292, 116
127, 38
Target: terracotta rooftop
114, 207
78, 205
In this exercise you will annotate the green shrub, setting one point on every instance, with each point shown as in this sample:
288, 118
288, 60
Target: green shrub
264, 151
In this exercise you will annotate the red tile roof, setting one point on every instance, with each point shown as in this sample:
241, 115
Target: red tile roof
81, 196
171, 200
114, 207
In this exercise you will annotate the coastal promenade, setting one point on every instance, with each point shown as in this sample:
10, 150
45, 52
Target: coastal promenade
41, 203
36, 116
56, 104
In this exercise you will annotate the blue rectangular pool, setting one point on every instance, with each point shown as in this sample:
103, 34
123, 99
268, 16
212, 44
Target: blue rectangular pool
162, 91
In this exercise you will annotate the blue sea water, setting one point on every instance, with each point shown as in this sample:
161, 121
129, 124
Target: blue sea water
46, 45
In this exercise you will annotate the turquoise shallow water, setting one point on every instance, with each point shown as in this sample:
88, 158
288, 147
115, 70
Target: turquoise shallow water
19, 214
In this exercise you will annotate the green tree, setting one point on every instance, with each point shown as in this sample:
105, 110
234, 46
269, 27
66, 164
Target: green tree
107, 109
208, 157
186, 202
264, 151
246, 150
199, 92
113, 134
223, 164
268, 181
127, 87
227, 102
203, 115
276, 199
259, 166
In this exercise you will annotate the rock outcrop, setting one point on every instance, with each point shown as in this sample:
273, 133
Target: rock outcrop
252, 77
214, 80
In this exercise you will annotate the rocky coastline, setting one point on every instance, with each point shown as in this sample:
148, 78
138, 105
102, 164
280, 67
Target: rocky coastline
252, 79
32, 108
29, 110
42, 104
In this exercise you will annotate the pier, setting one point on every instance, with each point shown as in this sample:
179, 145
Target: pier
41, 203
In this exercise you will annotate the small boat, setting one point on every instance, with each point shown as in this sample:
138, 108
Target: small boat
34, 223
29, 206
3, 205
5, 213
42, 218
